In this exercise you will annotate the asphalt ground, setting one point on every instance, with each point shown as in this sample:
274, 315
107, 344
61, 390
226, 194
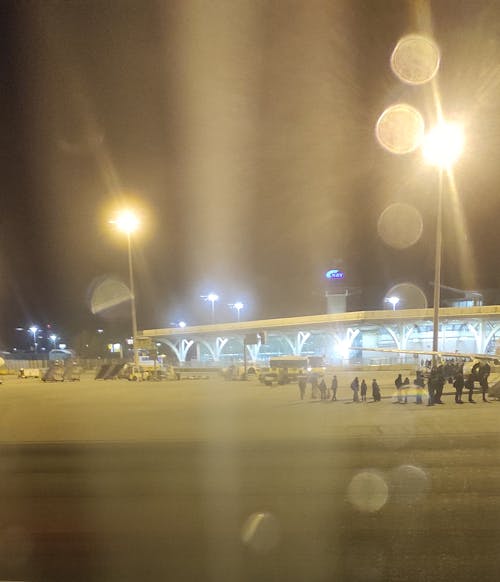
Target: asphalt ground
215, 480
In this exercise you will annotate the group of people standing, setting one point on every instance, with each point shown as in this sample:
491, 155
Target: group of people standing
359, 390
425, 387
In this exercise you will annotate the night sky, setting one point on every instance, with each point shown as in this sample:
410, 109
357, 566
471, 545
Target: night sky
244, 133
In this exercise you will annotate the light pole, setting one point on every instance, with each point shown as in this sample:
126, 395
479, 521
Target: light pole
393, 301
53, 339
441, 147
238, 306
212, 297
127, 222
34, 330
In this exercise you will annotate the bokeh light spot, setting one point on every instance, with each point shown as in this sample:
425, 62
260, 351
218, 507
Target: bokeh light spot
410, 296
400, 226
408, 484
415, 59
368, 491
107, 294
400, 129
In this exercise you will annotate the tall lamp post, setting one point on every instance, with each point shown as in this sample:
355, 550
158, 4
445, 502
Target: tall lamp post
34, 330
238, 306
127, 222
212, 297
441, 147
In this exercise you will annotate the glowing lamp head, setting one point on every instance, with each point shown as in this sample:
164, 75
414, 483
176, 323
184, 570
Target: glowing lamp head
443, 145
238, 305
33, 329
126, 222
213, 297
182, 324
53, 337
393, 301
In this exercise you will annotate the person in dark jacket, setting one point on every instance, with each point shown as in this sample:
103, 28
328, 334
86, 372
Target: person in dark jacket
376, 391
363, 390
334, 387
398, 382
469, 385
322, 389
302, 387
355, 389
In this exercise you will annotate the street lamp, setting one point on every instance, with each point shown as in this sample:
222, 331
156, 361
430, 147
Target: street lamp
213, 297
441, 147
34, 330
238, 306
127, 222
393, 301
53, 338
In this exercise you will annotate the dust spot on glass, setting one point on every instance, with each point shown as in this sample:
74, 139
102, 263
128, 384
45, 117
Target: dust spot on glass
261, 532
368, 491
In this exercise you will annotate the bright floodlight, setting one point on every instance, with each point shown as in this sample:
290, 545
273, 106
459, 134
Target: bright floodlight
443, 145
182, 324
126, 221
212, 297
393, 301
238, 305
33, 329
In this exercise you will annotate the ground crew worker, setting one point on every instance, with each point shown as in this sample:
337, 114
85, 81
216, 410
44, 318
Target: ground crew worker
459, 386
376, 391
334, 387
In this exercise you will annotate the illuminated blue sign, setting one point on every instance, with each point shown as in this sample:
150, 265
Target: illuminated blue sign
334, 274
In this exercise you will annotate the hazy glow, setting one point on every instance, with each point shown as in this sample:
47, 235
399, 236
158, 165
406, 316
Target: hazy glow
33, 329
415, 59
238, 305
182, 324
400, 129
126, 222
443, 145
212, 297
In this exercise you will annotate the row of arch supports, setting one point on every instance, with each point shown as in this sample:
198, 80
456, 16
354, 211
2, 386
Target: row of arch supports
338, 341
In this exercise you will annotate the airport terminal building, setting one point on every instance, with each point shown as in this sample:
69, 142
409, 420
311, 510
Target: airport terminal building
334, 335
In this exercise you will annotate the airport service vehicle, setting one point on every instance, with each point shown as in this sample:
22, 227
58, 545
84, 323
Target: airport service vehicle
287, 369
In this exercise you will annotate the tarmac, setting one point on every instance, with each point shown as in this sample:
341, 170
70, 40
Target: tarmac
228, 481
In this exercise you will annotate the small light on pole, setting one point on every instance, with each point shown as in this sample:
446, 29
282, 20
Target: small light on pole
238, 306
212, 297
53, 339
34, 330
393, 301
182, 324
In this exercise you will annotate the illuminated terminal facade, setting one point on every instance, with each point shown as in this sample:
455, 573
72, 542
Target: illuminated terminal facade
462, 329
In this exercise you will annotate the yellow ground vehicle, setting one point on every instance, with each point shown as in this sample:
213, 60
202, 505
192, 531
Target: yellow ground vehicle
287, 369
